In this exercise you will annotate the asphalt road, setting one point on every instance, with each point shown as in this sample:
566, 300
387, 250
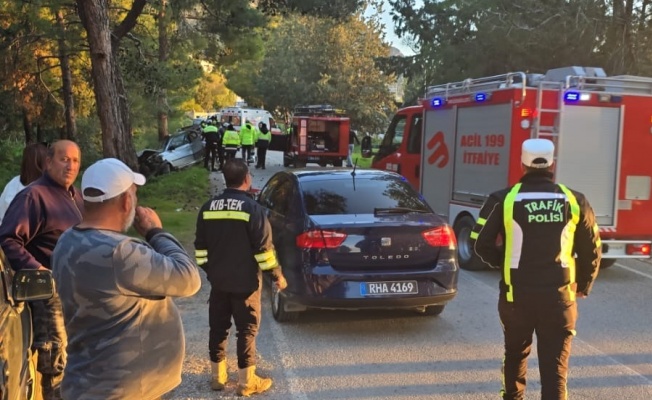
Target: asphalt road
401, 355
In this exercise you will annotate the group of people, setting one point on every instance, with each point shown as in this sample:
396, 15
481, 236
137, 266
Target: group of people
112, 330
224, 142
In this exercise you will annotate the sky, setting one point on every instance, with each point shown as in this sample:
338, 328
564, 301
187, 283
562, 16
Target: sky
390, 36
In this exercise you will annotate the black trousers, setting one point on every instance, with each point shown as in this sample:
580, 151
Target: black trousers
230, 153
50, 344
210, 153
554, 324
245, 310
246, 148
262, 154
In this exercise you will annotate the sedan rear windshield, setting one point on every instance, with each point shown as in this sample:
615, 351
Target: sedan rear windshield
360, 196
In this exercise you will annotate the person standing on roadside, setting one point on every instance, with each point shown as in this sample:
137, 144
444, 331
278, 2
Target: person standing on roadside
31, 228
211, 137
550, 255
353, 139
233, 244
125, 336
247, 137
31, 168
262, 143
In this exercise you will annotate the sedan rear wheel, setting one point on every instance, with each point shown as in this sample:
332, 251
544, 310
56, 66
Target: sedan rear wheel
278, 306
466, 255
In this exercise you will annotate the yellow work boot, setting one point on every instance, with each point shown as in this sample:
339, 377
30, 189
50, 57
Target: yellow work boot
219, 375
249, 383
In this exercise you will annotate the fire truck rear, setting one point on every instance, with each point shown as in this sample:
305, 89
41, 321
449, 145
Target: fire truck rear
463, 142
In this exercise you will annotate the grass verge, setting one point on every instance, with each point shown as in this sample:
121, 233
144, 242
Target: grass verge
177, 197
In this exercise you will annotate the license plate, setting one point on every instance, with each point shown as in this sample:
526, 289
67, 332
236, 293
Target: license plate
388, 288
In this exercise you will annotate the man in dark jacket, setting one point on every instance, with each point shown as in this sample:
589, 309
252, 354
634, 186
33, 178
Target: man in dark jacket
31, 228
233, 244
550, 255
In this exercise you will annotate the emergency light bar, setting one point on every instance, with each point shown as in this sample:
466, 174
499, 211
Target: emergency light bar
480, 97
437, 102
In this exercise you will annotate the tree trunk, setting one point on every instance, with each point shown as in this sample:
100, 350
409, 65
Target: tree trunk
95, 19
66, 78
163, 53
110, 93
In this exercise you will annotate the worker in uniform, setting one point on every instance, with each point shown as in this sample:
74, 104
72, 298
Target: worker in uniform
233, 244
549, 255
211, 137
231, 142
247, 137
262, 143
220, 144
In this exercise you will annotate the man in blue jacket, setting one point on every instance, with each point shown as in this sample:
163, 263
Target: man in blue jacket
31, 228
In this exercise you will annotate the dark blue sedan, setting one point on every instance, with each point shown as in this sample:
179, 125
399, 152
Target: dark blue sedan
357, 239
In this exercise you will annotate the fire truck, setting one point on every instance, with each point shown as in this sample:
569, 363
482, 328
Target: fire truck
463, 142
320, 134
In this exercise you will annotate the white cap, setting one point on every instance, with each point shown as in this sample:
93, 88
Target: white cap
111, 176
537, 153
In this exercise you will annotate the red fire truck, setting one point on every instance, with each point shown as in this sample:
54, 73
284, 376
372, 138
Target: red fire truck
463, 141
320, 134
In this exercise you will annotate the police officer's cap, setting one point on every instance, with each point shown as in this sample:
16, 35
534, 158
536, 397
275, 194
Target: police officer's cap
537, 153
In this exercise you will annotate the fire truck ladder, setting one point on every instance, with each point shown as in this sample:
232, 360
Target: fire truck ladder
550, 132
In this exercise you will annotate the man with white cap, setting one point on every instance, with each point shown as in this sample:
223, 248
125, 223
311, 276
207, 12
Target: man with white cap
125, 337
549, 255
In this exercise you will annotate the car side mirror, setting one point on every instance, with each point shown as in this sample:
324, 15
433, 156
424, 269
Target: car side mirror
33, 284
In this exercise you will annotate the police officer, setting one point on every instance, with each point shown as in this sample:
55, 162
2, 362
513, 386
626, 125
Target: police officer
247, 138
211, 136
233, 244
262, 143
231, 142
220, 144
550, 255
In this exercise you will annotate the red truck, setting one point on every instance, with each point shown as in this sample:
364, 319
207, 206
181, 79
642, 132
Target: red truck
463, 141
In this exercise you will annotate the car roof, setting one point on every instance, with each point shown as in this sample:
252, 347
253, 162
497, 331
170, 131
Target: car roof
320, 174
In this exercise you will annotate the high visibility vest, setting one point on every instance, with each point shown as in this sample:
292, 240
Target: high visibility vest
567, 240
231, 139
247, 135
264, 136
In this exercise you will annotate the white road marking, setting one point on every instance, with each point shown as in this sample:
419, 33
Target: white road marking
649, 276
292, 379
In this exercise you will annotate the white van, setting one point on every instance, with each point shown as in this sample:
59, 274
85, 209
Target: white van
237, 116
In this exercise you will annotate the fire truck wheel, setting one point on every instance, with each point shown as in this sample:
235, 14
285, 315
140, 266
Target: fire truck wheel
466, 256
299, 163
337, 163
607, 262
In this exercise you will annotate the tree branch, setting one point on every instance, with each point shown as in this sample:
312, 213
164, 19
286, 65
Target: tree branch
129, 21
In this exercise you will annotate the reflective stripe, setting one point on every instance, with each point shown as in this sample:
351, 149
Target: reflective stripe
539, 196
481, 221
201, 253
201, 261
225, 214
508, 221
267, 260
568, 239
596, 233
474, 235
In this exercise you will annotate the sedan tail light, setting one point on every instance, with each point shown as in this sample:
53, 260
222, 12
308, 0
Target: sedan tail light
320, 239
442, 236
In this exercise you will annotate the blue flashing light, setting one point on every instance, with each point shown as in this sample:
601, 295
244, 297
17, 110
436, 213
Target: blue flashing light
480, 97
437, 102
572, 96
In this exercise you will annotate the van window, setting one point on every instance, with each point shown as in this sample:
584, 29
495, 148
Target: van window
394, 136
414, 141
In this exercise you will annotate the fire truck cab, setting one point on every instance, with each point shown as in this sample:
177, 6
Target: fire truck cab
463, 142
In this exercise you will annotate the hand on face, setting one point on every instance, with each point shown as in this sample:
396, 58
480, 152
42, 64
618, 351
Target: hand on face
146, 220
